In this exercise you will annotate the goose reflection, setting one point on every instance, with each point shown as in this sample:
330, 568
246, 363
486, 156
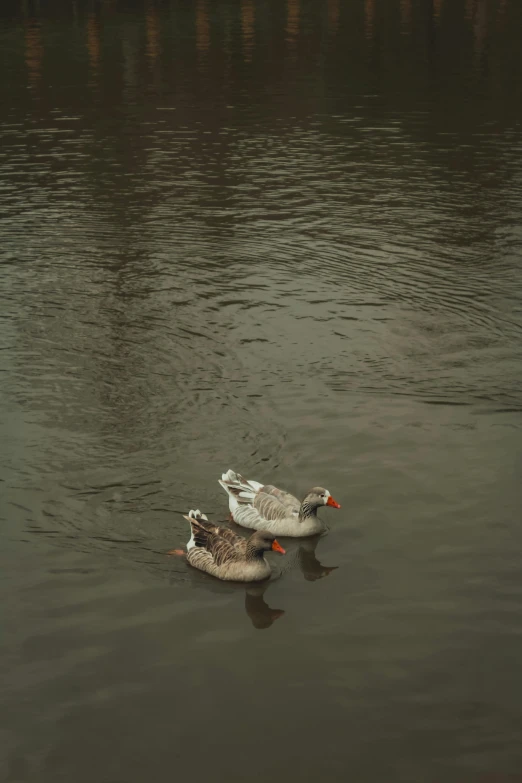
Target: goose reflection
261, 614
312, 569
301, 551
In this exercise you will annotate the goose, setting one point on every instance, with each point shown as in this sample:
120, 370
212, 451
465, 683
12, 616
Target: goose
222, 553
264, 507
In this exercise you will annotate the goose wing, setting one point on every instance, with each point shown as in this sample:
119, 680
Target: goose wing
284, 497
273, 507
221, 543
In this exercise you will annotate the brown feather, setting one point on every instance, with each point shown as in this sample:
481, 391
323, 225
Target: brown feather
223, 544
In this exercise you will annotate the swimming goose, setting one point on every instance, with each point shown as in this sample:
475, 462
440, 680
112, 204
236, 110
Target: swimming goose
264, 507
222, 553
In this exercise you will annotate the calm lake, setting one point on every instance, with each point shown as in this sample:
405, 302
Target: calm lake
283, 237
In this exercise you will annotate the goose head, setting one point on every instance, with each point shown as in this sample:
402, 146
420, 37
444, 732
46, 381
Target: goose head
318, 496
263, 541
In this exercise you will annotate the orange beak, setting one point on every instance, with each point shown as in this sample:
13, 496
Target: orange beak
332, 502
276, 546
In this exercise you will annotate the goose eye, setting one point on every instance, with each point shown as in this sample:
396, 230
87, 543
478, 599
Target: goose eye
322, 495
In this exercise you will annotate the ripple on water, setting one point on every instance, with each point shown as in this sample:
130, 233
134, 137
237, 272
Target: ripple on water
166, 313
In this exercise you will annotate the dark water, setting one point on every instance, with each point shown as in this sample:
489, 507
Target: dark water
286, 238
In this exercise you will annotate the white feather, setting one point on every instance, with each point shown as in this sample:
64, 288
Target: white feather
194, 514
240, 482
241, 491
233, 503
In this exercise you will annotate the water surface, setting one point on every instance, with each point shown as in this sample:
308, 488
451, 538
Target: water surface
282, 237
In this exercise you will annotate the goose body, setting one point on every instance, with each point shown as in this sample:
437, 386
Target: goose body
265, 507
225, 555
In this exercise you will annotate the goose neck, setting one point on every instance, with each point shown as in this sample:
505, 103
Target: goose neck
307, 510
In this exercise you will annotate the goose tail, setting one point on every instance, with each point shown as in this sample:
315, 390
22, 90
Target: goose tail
239, 489
194, 516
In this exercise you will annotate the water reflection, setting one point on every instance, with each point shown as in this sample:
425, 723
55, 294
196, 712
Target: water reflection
479, 26
202, 27
405, 9
292, 23
34, 51
152, 26
333, 15
248, 16
256, 607
126, 32
311, 568
261, 615
300, 554
176, 273
130, 68
369, 18
93, 48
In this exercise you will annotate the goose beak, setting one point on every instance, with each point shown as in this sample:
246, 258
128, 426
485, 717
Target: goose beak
276, 546
332, 502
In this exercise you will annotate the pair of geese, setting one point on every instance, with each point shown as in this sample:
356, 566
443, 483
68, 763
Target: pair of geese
264, 508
